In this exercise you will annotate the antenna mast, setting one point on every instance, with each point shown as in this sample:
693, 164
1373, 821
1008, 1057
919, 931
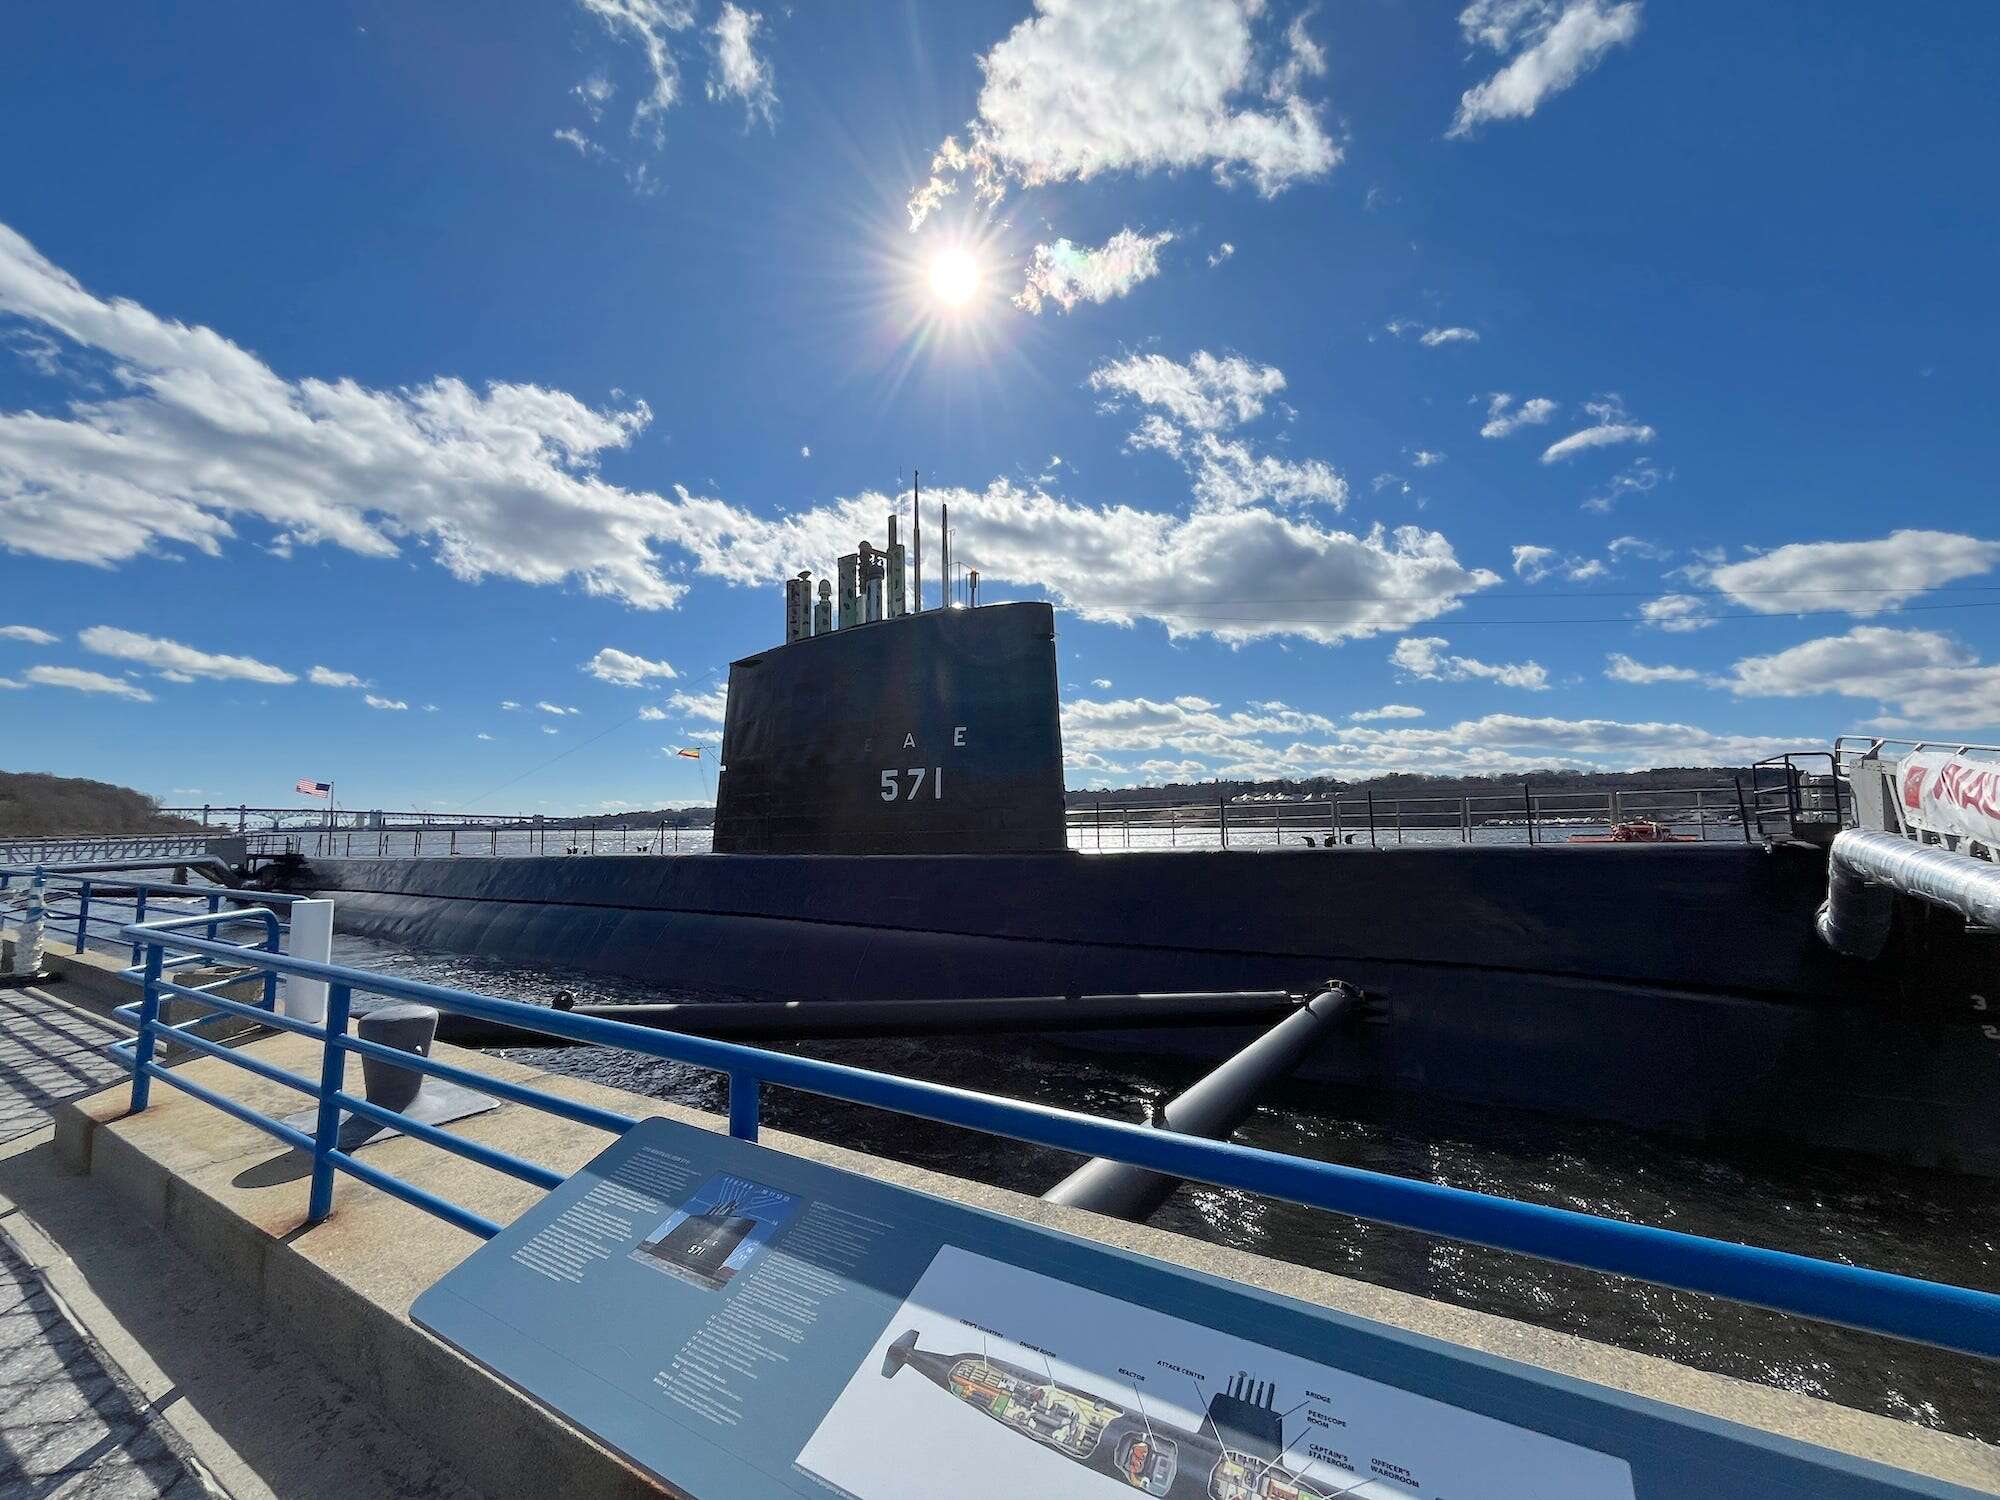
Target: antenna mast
917, 533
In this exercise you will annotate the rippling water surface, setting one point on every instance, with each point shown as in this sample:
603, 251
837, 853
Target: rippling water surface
1923, 1224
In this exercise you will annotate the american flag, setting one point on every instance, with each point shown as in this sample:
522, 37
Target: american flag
314, 788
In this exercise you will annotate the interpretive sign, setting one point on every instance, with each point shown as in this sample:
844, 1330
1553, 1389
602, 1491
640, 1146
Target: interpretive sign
742, 1321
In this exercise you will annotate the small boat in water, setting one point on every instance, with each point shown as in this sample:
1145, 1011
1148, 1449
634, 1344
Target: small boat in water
1638, 831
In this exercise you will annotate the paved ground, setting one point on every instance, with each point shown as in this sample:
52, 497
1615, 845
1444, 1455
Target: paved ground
69, 1427
48, 1053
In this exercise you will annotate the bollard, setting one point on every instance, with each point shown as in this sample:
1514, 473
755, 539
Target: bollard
407, 1028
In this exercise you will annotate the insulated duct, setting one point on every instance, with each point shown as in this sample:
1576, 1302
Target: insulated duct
1866, 870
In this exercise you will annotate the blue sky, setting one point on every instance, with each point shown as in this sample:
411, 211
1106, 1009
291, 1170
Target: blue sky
1373, 386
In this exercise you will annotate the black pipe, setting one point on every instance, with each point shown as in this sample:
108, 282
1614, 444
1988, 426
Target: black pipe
798, 1020
1212, 1108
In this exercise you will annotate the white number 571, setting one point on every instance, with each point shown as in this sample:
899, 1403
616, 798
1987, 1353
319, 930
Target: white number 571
893, 784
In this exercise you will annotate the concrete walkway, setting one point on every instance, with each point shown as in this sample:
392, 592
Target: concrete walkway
127, 1366
69, 1426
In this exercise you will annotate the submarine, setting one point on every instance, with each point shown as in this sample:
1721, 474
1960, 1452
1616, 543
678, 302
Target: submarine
890, 826
1237, 1454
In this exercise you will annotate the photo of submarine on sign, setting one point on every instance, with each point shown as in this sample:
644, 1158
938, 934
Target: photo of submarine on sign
1235, 1457
712, 1237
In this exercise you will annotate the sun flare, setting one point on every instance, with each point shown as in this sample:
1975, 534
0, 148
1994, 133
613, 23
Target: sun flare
954, 276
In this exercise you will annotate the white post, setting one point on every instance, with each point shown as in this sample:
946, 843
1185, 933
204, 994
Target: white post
311, 937
28, 937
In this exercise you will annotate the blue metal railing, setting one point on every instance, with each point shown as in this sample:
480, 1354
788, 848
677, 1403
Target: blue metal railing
1904, 1307
90, 890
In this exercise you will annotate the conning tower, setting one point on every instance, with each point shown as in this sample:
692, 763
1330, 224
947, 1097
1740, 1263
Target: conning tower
883, 727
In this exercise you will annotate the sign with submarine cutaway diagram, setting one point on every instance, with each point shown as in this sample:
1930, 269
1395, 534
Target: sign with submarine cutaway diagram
741, 1321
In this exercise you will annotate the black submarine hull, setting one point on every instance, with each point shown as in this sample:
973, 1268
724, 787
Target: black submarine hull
1676, 988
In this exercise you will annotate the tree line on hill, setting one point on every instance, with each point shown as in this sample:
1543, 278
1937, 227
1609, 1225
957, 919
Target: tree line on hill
33, 804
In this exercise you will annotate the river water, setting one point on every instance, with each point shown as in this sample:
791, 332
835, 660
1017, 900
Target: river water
1923, 1224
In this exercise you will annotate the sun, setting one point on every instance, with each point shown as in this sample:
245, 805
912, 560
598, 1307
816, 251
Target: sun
954, 276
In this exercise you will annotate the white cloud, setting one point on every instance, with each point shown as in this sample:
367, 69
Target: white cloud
1863, 578
1085, 87
509, 704
327, 677
595, 93
27, 633
709, 704
1925, 675
625, 670
739, 72
1197, 742
430, 708
1207, 393
81, 681
395, 704
1067, 274
1386, 711
1533, 564
1678, 613
1228, 475
1423, 656
482, 735
203, 435
1632, 546
1212, 395
1637, 479
1612, 426
1621, 668
650, 712
504, 484
1501, 421
1556, 49
1425, 458
1102, 684
1430, 338
181, 663
647, 24
550, 729
805, 450
555, 708
1237, 575
583, 144
1222, 253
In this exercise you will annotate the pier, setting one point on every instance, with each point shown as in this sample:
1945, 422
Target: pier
196, 1249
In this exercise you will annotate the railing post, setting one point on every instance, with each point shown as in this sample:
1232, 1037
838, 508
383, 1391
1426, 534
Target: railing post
138, 915
149, 1017
83, 916
1222, 818
743, 1106
332, 1080
1528, 801
214, 906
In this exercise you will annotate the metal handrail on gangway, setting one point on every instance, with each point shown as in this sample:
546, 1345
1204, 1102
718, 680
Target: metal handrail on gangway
1948, 1317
